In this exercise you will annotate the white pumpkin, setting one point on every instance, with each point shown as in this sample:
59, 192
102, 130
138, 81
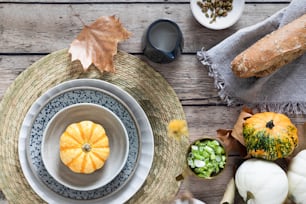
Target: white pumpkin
261, 182
297, 178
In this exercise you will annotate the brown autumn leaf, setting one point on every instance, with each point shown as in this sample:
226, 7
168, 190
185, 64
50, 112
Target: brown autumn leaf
237, 132
97, 43
231, 144
233, 139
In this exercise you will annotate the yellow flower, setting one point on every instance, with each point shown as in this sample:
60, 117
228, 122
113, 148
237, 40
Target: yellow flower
177, 129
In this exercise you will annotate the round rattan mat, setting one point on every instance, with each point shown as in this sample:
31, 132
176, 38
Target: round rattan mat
148, 87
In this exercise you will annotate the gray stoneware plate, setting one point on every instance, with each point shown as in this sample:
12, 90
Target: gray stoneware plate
141, 144
118, 143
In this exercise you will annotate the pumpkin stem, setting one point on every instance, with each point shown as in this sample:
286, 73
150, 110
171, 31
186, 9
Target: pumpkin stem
249, 196
270, 124
86, 147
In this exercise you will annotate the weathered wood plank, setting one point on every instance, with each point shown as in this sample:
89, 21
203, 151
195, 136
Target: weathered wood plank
43, 28
189, 78
11, 67
187, 75
206, 120
123, 1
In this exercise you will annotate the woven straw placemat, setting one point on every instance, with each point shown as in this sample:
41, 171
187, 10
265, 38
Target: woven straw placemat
148, 87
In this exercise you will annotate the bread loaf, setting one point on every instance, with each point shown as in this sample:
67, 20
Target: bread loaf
272, 51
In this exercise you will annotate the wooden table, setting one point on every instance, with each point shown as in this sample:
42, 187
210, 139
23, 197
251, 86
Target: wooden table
31, 30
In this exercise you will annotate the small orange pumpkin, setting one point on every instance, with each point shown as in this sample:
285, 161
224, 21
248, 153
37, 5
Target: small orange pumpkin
84, 147
270, 135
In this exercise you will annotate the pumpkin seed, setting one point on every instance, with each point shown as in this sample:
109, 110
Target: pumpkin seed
215, 8
204, 9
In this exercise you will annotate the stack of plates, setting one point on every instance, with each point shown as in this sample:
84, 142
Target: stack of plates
141, 142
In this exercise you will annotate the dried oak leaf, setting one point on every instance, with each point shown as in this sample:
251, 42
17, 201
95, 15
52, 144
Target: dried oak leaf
97, 43
233, 139
237, 132
231, 144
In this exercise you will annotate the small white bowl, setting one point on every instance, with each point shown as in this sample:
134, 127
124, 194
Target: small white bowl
118, 142
221, 22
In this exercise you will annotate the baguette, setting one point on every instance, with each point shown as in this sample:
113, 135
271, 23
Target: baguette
276, 49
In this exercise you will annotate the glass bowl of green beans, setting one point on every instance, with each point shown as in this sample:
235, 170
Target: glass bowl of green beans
206, 157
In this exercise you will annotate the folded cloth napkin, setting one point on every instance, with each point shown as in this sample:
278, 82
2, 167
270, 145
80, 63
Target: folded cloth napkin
283, 91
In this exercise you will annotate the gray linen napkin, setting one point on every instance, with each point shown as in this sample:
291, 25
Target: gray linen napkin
283, 91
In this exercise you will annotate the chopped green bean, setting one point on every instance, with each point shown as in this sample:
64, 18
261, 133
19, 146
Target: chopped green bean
206, 158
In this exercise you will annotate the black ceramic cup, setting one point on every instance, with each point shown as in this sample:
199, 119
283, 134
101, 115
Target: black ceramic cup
163, 41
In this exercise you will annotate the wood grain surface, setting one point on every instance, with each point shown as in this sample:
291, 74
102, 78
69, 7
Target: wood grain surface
43, 28
30, 30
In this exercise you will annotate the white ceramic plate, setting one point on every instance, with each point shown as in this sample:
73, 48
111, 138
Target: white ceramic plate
118, 143
221, 22
123, 193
